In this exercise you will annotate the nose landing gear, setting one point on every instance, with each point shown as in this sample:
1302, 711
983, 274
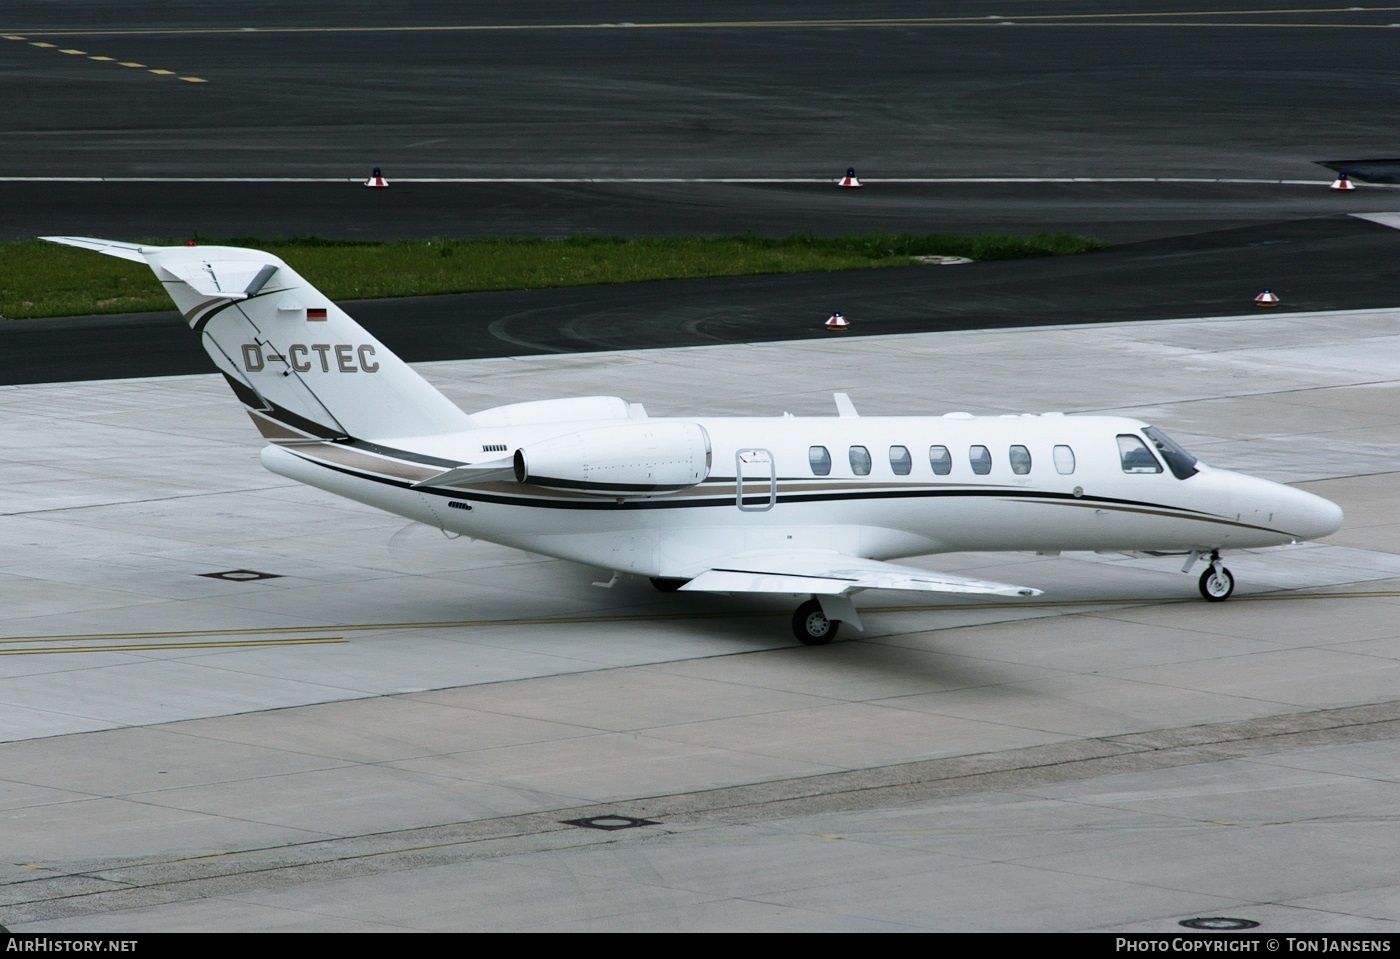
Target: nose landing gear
1217, 582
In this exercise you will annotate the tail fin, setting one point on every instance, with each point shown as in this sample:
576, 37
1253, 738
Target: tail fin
304, 369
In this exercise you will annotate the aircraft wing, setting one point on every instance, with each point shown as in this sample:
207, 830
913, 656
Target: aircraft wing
828, 573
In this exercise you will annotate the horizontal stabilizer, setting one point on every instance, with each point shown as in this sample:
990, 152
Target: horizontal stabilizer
823, 572
127, 251
233, 279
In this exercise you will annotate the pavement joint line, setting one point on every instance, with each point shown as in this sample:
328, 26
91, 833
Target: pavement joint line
145, 647
163, 880
657, 617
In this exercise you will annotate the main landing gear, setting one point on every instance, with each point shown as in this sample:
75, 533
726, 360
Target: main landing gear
1217, 582
811, 625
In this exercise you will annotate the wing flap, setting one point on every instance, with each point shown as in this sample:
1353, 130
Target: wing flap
755, 581
825, 573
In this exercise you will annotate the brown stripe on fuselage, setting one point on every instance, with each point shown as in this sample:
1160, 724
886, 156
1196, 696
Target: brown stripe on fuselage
706, 490
277, 431
1166, 511
194, 311
351, 458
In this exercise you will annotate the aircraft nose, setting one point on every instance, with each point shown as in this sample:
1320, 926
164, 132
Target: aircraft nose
1283, 510
1312, 517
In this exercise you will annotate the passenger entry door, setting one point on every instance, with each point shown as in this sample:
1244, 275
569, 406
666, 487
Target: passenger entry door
755, 482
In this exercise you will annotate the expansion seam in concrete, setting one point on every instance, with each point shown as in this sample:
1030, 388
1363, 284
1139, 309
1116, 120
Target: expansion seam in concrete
122, 885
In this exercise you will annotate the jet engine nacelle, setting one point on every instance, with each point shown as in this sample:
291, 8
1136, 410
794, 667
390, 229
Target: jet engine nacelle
632, 459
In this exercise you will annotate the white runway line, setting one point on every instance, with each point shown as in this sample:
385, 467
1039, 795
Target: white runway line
358, 180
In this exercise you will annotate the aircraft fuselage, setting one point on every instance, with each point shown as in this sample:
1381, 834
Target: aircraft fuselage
892, 487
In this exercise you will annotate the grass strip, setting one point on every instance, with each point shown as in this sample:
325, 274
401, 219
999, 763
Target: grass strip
45, 279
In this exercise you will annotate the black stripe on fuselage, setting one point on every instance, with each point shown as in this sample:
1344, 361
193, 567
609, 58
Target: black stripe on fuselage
390, 452
727, 501
294, 421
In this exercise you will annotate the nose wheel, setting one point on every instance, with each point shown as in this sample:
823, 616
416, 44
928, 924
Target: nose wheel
811, 626
1217, 582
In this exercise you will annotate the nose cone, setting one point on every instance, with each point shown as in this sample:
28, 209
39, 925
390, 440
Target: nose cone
1279, 513
1311, 517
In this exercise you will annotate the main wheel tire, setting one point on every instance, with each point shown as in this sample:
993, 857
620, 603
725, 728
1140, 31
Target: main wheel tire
1217, 583
667, 585
810, 625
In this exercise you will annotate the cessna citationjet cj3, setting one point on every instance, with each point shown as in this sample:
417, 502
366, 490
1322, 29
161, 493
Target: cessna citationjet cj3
788, 505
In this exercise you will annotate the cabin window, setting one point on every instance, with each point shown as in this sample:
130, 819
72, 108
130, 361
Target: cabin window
1181, 463
820, 460
1136, 457
941, 460
1064, 460
1020, 459
981, 459
860, 461
900, 460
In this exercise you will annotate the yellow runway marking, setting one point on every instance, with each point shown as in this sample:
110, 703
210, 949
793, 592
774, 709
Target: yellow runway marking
147, 647
73, 52
190, 636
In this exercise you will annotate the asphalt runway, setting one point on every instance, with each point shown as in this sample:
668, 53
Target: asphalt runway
1113, 211
495, 89
387, 735
1323, 263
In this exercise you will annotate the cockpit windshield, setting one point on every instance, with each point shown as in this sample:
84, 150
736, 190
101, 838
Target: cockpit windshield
1181, 463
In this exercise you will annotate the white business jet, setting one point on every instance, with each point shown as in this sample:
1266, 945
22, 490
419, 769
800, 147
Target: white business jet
812, 506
